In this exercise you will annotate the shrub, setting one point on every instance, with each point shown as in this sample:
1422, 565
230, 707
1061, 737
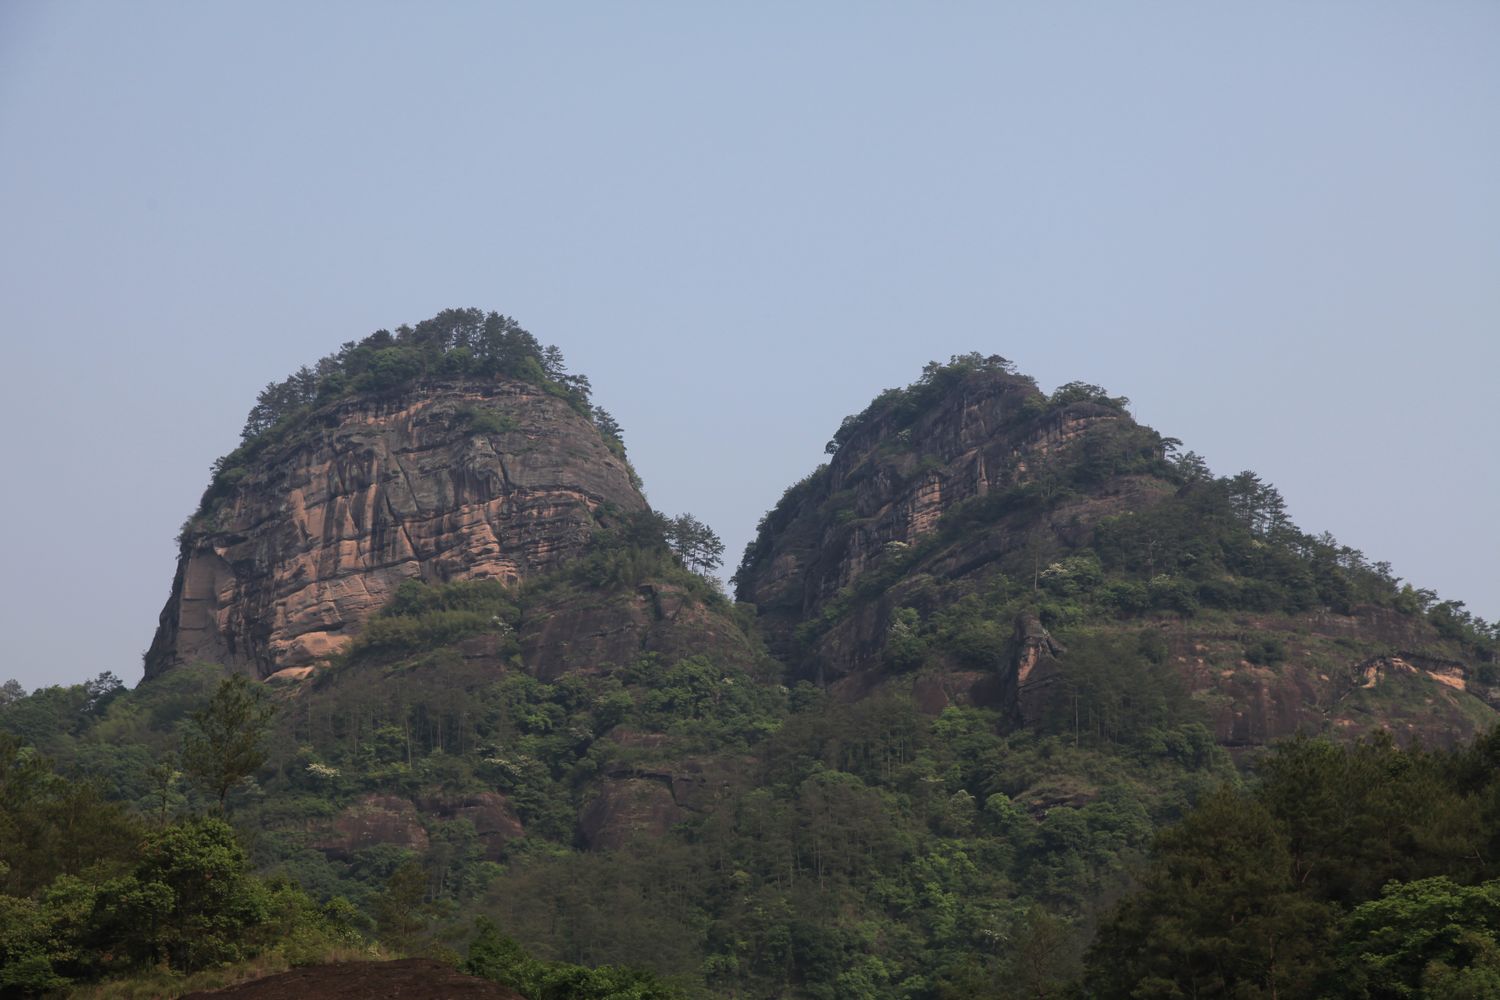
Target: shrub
904, 646
1266, 652
487, 420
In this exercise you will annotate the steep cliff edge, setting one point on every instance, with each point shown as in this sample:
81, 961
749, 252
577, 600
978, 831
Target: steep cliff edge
965, 520
465, 478
939, 481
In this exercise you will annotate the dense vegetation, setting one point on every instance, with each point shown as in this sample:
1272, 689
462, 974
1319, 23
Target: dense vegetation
709, 824
1358, 870
869, 850
133, 874
92, 888
899, 408
959, 850
866, 851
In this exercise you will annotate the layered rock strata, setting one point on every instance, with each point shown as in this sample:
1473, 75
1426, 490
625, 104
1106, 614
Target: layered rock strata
886, 490
450, 480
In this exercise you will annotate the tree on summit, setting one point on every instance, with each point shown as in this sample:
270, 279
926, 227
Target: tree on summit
695, 543
608, 425
1086, 392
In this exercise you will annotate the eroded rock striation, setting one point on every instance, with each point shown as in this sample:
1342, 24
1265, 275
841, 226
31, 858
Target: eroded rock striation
457, 479
861, 519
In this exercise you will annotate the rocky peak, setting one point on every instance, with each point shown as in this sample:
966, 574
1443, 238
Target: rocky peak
897, 470
457, 478
964, 519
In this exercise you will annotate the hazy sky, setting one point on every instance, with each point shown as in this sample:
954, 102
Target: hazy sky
1275, 227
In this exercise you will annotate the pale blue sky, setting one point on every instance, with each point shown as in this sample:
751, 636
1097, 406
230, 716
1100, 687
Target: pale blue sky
1276, 227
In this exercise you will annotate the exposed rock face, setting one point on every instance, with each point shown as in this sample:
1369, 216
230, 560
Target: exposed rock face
373, 820
368, 493
889, 485
626, 808
887, 496
495, 822
1036, 659
649, 801
1344, 674
918, 511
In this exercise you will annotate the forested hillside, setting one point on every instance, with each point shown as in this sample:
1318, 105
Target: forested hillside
1017, 699
956, 510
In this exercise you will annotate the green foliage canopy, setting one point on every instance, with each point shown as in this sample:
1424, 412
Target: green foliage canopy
225, 740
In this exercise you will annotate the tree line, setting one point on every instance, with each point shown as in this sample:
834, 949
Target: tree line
1344, 870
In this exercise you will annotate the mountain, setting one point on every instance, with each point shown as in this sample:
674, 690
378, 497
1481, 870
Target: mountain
445, 479
441, 509
963, 519
977, 663
960, 523
458, 449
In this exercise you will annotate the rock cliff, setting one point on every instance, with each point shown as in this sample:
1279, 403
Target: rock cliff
961, 519
449, 479
874, 512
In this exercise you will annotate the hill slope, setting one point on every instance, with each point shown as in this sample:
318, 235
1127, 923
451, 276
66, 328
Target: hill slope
962, 519
1000, 641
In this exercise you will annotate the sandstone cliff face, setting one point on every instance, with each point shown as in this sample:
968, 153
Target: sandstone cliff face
888, 486
368, 493
1343, 675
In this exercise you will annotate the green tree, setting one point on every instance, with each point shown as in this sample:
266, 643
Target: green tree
1084, 392
614, 434
50, 826
402, 912
695, 543
225, 740
1217, 915
26, 949
904, 645
190, 901
1357, 816
1417, 932
496, 957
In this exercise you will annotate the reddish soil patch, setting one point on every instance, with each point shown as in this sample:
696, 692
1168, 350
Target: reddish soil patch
407, 979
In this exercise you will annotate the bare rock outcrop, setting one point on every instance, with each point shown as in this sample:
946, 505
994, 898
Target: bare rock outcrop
648, 800
371, 821
394, 820
461, 479
626, 808
495, 822
1036, 664
887, 490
